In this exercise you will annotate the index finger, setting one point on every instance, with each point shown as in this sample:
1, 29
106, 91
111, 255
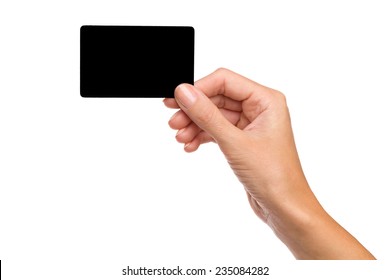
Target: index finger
171, 103
231, 84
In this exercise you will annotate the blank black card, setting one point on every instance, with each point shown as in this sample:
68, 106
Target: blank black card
135, 61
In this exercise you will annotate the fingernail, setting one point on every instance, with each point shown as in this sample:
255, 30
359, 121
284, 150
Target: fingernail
186, 95
173, 116
180, 131
187, 144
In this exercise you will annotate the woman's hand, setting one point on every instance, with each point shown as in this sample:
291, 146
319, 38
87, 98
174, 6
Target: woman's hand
251, 124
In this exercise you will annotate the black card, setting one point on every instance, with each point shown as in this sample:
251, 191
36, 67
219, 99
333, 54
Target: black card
135, 61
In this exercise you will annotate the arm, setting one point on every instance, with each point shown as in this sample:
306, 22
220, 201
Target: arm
251, 125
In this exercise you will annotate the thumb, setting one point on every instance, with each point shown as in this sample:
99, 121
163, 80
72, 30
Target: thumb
202, 111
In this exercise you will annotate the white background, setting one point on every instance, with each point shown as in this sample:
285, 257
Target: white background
89, 186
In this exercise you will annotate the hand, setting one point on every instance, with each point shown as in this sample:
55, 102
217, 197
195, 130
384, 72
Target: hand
251, 125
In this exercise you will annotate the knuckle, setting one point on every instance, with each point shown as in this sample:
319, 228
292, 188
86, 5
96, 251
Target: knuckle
219, 101
221, 71
280, 97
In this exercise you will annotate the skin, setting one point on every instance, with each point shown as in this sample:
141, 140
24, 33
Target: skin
251, 125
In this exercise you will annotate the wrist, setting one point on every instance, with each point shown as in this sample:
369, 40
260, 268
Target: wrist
309, 231
296, 217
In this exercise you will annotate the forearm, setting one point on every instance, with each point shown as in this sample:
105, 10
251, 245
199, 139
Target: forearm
309, 232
